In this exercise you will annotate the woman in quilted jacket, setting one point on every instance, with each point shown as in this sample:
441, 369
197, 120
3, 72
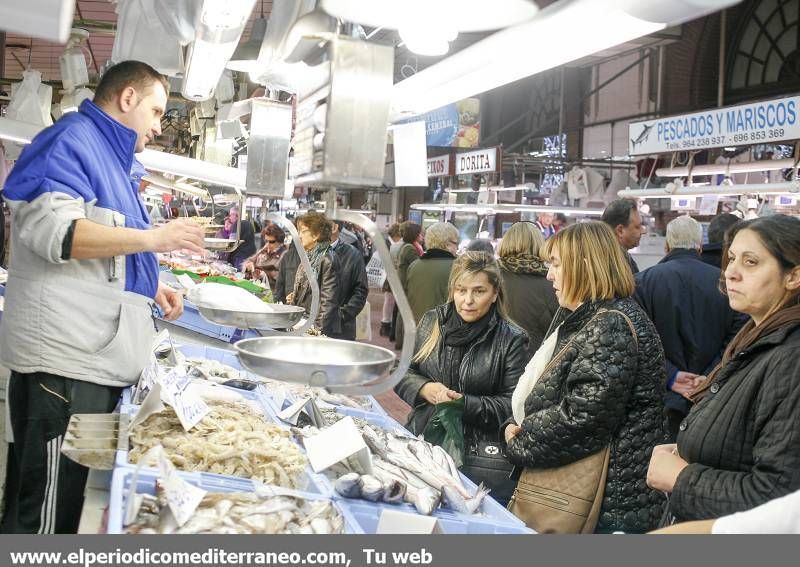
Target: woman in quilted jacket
597, 380
739, 447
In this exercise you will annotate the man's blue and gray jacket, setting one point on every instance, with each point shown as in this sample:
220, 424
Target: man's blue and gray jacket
83, 319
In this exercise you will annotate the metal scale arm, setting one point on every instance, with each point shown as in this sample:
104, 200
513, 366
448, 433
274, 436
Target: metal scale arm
299, 329
403, 307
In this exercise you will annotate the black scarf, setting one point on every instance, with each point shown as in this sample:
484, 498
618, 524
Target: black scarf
457, 333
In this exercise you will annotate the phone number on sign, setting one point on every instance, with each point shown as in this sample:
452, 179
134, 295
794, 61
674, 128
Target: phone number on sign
769, 134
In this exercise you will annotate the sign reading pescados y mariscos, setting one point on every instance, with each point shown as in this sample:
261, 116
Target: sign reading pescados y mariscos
744, 124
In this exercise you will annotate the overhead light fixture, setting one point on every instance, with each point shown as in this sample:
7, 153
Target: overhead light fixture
246, 54
486, 65
728, 168
784, 188
219, 27
47, 19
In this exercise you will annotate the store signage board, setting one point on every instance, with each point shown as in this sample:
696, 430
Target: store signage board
440, 166
456, 125
334, 444
742, 125
396, 522
684, 203
479, 161
410, 154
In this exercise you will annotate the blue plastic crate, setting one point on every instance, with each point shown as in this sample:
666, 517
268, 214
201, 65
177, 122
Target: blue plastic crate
193, 321
310, 481
367, 515
146, 484
377, 411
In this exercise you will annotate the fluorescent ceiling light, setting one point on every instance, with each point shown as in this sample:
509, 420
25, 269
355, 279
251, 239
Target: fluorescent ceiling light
789, 187
507, 208
591, 25
728, 168
193, 169
219, 29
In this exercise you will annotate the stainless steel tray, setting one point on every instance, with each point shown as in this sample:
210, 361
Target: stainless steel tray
320, 362
282, 317
221, 244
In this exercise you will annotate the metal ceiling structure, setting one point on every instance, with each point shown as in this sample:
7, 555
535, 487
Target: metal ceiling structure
99, 18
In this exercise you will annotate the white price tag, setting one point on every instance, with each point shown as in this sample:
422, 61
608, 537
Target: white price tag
337, 443
184, 399
182, 497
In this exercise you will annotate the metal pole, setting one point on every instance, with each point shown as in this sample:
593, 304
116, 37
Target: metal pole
660, 83
3, 54
722, 41
561, 115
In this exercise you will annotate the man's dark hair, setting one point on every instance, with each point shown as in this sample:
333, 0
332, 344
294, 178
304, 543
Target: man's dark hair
136, 74
480, 245
618, 212
719, 225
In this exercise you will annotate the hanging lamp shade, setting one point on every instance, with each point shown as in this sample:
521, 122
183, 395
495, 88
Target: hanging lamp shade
247, 52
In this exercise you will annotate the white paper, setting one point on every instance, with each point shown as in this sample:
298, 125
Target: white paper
335, 444
709, 204
182, 497
410, 155
396, 522
308, 406
185, 281
184, 399
151, 404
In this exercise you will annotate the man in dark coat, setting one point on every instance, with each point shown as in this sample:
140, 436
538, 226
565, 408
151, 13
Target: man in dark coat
623, 217
287, 270
353, 286
712, 252
681, 296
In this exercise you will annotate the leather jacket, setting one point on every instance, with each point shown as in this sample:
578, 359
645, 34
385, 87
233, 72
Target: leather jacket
488, 374
328, 319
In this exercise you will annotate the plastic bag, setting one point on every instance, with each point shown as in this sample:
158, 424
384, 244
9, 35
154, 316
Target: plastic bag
364, 324
376, 275
446, 429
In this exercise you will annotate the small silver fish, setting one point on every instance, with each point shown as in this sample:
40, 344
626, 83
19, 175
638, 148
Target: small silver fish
371, 487
348, 485
453, 500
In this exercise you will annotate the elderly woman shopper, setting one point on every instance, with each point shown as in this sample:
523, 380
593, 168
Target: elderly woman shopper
427, 278
739, 447
264, 263
409, 252
315, 236
467, 348
596, 383
532, 302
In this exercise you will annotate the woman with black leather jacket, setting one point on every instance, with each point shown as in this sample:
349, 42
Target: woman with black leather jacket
315, 236
597, 380
467, 348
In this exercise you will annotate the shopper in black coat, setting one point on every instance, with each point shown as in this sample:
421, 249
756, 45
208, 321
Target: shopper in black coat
681, 296
532, 302
353, 286
602, 386
740, 445
287, 270
315, 234
466, 348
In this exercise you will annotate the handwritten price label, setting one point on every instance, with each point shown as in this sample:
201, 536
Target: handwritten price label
178, 393
183, 498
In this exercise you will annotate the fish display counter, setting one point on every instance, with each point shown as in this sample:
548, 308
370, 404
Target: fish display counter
252, 468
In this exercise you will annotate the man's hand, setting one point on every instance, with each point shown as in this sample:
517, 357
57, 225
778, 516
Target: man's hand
685, 383
179, 234
170, 301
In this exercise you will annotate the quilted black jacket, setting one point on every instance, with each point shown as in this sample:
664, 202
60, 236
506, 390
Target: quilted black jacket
489, 372
742, 439
602, 388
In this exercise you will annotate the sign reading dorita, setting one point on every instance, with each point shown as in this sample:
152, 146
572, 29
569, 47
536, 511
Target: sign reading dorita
745, 124
479, 161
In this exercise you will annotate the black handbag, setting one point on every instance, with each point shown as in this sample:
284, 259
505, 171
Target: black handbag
487, 464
